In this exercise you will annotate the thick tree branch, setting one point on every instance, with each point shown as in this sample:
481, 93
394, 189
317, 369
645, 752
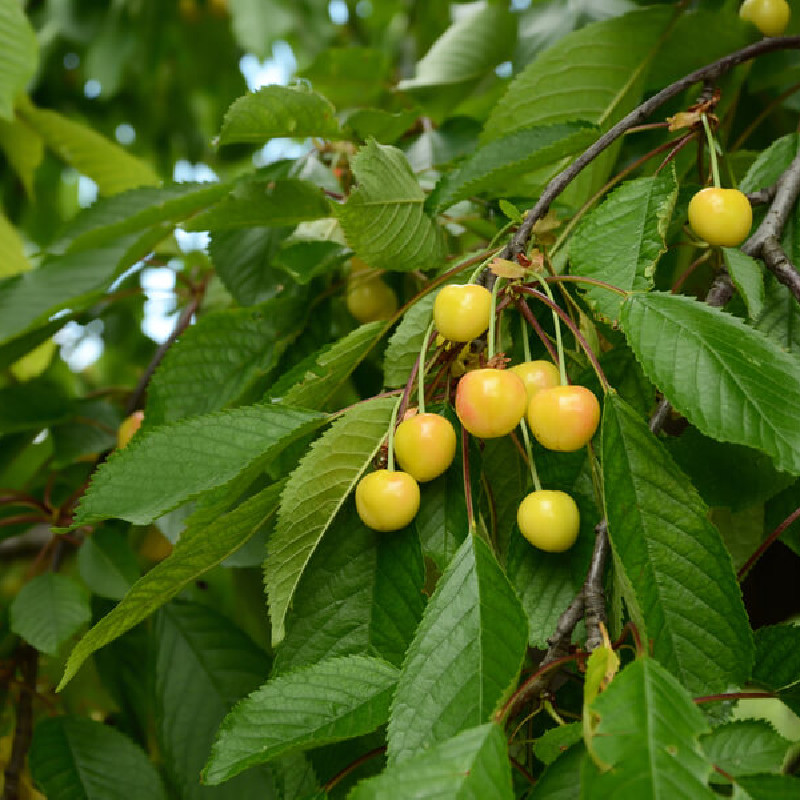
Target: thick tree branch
594, 597
636, 117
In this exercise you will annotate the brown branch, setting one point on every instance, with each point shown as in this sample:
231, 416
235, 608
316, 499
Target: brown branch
778, 263
708, 73
28, 660
594, 597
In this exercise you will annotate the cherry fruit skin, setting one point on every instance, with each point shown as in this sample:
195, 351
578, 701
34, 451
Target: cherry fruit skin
564, 418
128, 428
770, 16
368, 298
387, 500
721, 216
424, 446
490, 402
537, 375
460, 313
549, 520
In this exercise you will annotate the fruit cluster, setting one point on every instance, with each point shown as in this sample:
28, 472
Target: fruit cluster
489, 402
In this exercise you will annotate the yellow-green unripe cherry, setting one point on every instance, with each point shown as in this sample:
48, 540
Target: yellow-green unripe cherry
549, 520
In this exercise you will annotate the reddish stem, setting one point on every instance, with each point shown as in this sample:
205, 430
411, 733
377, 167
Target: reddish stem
688, 271
353, 766
767, 542
467, 484
716, 698
534, 323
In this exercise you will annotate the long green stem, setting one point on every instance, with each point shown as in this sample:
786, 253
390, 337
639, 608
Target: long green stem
712, 151
421, 379
562, 364
392, 426
481, 267
526, 345
492, 320
526, 437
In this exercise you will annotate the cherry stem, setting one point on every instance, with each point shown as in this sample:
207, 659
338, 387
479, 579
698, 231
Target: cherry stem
467, 484
526, 345
712, 151
689, 270
562, 364
767, 542
590, 281
481, 267
534, 323
392, 425
492, 320
575, 332
426, 341
537, 484
718, 698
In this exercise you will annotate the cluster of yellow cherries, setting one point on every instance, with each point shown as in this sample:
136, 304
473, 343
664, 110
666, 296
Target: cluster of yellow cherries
490, 403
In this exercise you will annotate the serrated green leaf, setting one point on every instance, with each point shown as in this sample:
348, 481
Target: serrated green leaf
163, 468
19, 55
200, 547
272, 203
203, 665
73, 758
621, 241
216, 360
337, 699
746, 274
403, 347
383, 219
136, 209
33, 405
770, 164
777, 662
12, 250
555, 741
562, 779
360, 593
48, 610
473, 764
563, 85
272, 111
243, 260
770, 787
494, 165
465, 656
468, 50
107, 564
745, 747
647, 733
349, 76
309, 505
23, 149
110, 166
71, 281
333, 366
780, 318
676, 565
726, 378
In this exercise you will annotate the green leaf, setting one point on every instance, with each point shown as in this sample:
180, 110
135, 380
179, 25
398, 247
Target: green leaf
562, 779
305, 260
746, 274
563, 85
71, 281
23, 149
135, 210
309, 505
770, 787
33, 405
19, 55
349, 76
110, 166
745, 747
770, 164
555, 741
780, 318
647, 737
777, 662
163, 468
621, 241
273, 203
473, 764
48, 610
256, 24
12, 250
496, 164
404, 345
107, 564
333, 366
326, 702
198, 549
216, 360
383, 219
678, 571
465, 656
382, 125
203, 665
73, 758
360, 593
468, 50
272, 111
726, 378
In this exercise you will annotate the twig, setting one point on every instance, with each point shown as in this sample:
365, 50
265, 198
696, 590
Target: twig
767, 542
28, 660
594, 597
639, 115
353, 766
778, 263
